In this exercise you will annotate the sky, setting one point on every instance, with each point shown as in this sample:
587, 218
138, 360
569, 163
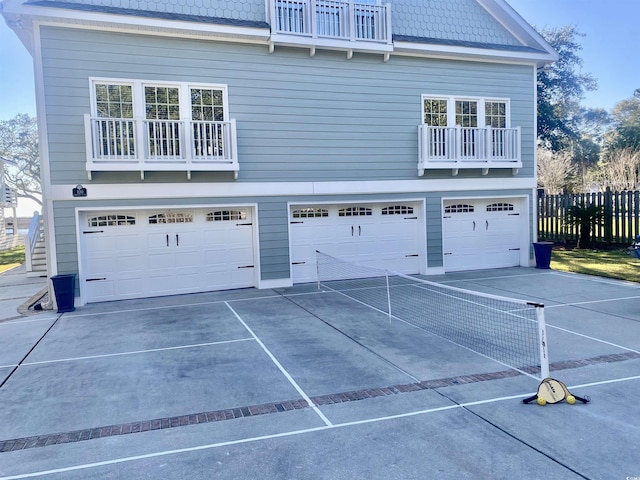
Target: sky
609, 51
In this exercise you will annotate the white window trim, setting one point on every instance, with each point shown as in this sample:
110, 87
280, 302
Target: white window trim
451, 107
137, 88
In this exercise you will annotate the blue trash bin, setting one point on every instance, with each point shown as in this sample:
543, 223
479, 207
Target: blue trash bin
64, 288
543, 254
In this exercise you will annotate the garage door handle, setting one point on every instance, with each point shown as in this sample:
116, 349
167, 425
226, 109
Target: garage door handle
412, 255
298, 263
487, 225
94, 231
511, 249
352, 230
246, 266
243, 224
474, 225
359, 230
95, 279
177, 240
167, 239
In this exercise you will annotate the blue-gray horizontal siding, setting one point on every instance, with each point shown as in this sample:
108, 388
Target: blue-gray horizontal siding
299, 118
272, 221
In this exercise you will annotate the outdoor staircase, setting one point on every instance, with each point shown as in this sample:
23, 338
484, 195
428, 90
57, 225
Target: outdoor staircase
35, 248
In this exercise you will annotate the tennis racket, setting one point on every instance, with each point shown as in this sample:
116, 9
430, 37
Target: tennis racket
554, 391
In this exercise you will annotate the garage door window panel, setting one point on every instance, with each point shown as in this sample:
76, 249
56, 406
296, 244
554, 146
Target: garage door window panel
113, 220
397, 210
226, 215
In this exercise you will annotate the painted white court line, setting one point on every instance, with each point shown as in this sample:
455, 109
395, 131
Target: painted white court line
210, 446
589, 302
590, 278
599, 340
282, 369
135, 352
17, 321
161, 307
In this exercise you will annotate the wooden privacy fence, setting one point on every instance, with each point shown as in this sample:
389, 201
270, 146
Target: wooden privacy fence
621, 216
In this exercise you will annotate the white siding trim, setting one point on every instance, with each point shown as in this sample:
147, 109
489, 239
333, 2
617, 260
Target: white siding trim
45, 171
277, 283
194, 190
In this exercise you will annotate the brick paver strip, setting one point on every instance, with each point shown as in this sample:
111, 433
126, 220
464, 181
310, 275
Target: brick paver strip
38, 441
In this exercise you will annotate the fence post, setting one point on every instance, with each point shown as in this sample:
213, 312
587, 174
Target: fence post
608, 216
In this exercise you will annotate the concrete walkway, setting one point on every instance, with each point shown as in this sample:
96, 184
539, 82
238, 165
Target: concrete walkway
17, 292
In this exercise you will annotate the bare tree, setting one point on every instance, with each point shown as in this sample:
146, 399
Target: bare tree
621, 169
19, 143
554, 170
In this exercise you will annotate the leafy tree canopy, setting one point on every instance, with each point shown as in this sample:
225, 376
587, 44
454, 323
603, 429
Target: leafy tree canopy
561, 86
626, 117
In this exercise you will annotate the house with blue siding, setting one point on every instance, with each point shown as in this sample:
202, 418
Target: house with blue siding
204, 145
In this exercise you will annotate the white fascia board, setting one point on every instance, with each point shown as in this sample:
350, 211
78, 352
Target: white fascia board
470, 53
272, 189
139, 24
511, 20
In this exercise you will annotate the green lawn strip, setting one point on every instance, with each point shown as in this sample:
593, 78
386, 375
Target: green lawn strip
603, 263
11, 258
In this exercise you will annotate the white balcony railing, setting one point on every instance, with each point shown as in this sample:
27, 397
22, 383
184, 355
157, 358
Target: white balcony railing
341, 20
463, 147
126, 144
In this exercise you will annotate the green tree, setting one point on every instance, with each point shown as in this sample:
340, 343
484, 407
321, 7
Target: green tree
561, 86
19, 142
626, 118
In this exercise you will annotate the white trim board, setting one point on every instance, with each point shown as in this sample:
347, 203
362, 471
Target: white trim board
268, 189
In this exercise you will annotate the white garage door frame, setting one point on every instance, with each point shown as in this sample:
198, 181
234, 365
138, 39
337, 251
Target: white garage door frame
80, 213
524, 225
420, 203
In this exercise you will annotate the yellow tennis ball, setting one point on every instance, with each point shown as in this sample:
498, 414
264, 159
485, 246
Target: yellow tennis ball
571, 399
541, 401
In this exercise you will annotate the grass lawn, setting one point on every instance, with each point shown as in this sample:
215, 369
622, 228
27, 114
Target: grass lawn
11, 258
617, 263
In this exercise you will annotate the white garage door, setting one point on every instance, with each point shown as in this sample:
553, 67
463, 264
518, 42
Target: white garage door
137, 254
481, 234
380, 235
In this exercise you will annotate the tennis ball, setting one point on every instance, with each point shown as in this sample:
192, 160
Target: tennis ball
541, 401
571, 399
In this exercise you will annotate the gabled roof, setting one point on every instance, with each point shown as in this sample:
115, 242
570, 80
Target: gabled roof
473, 29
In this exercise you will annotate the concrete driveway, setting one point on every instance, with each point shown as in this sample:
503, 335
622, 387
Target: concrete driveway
302, 384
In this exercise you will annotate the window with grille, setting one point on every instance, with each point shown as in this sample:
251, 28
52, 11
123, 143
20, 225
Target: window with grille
310, 212
222, 215
397, 210
111, 220
500, 207
459, 208
354, 212
171, 217
495, 114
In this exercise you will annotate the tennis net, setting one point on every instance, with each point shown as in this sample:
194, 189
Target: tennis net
507, 330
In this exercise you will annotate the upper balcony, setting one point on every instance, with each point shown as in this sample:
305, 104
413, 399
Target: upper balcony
332, 24
128, 144
468, 147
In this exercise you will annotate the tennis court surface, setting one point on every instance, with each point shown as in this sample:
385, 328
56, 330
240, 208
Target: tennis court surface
307, 383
